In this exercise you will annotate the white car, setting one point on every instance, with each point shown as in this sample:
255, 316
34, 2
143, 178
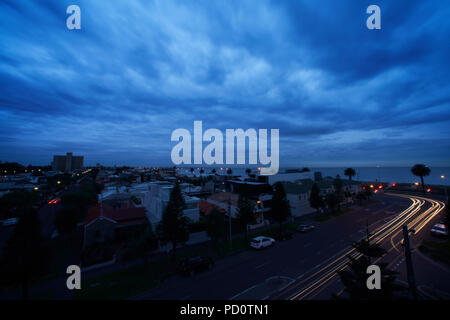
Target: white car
261, 242
439, 230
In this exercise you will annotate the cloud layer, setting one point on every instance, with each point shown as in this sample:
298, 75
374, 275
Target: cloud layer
137, 70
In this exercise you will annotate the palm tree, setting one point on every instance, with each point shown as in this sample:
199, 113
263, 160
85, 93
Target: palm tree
421, 170
349, 172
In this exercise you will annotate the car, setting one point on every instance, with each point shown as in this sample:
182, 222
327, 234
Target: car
303, 228
439, 230
10, 222
193, 265
261, 242
55, 234
283, 235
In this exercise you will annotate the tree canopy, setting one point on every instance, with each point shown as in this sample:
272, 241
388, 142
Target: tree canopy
280, 205
245, 212
174, 225
421, 170
315, 200
354, 278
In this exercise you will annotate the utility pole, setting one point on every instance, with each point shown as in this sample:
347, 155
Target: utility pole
229, 222
409, 265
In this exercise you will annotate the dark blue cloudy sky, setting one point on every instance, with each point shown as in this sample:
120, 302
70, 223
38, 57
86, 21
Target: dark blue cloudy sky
115, 90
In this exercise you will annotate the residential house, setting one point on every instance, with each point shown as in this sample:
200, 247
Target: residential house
113, 222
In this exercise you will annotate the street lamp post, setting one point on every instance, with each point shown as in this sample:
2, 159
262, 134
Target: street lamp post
409, 264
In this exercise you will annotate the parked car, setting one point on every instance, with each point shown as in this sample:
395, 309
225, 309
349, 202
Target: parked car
261, 242
10, 222
439, 230
283, 235
303, 228
191, 266
55, 234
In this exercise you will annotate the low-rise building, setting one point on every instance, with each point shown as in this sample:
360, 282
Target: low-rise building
106, 223
158, 198
227, 203
298, 193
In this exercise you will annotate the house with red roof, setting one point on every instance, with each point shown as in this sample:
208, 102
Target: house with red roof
113, 223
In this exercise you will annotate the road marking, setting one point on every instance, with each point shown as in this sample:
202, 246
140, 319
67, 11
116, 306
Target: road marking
261, 265
287, 285
301, 276
241, 293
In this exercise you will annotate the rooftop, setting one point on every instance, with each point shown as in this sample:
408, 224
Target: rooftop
122, 216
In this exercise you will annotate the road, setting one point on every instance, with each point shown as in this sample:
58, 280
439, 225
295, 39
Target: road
321, 283
304, 266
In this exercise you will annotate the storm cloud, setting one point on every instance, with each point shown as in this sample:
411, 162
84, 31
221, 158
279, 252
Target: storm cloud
137, 70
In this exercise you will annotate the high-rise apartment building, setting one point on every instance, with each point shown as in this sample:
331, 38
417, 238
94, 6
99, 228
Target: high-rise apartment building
67, 163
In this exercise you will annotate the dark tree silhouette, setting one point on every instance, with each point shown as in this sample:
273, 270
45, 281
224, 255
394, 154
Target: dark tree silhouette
350, 173
337, 183
140, 247
354, 278
315, 200
215, 226
361, 196
280, 205
174, 226
248, 171
245, 212
23, 256
332, 201
229, 171
421, 170
15, 203
66, 220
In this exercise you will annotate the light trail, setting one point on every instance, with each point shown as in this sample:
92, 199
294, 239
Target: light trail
390, 229
351, 250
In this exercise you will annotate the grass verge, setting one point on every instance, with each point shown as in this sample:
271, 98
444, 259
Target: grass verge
124, 283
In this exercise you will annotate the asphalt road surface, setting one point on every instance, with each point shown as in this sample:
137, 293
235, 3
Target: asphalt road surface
321, 283
305, 266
